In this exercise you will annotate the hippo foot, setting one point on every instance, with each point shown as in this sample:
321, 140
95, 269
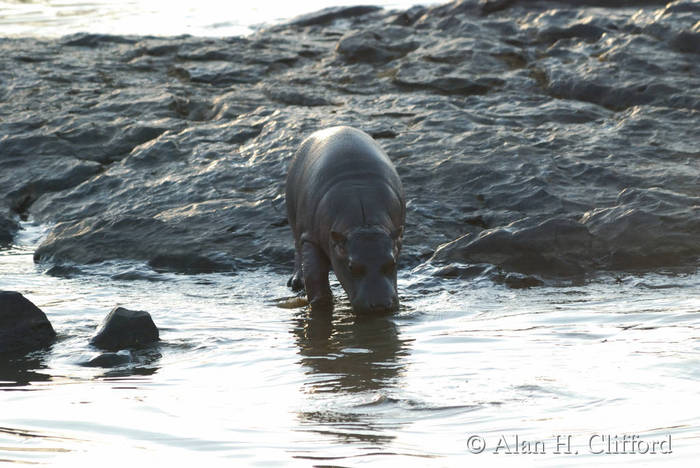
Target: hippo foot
296, 282
322, 304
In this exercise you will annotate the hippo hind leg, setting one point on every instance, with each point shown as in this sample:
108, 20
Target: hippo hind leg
296, 282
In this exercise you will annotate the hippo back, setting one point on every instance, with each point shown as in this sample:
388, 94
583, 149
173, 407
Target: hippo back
342, 161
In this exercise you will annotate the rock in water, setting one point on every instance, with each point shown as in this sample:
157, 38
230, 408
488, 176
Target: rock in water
23, 326
8, 228
124, 328
110, 359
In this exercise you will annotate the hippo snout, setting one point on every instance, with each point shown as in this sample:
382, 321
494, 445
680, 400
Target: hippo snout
376, 306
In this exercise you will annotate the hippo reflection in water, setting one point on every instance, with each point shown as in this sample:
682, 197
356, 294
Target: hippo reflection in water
346, 208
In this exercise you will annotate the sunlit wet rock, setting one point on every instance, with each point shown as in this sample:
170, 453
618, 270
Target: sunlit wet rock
502, 117
558, 247
376, 46
23, 326
124, 328
456, 270
648, 227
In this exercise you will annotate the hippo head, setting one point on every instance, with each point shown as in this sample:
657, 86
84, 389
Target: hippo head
364, 261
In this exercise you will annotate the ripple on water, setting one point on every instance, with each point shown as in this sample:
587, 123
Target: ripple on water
236, 375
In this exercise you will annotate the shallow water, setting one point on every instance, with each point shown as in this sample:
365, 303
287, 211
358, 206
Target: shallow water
239, 378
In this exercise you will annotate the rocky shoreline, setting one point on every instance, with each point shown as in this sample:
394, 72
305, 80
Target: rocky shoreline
542, 137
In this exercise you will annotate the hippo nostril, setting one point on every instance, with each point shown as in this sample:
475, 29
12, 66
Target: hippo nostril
383, 307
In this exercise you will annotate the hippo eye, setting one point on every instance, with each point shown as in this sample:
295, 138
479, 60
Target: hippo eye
389, 267
356, 269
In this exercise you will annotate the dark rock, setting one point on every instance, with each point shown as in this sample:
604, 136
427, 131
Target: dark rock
414, 76
296, 97
123, 328
615, 3
106, 245
331, 14
374, 47
206, 53
614, 98
687, 41
108, 360
94, 40
408, 17
223, 73
519, 281
458, 7
682, 6
455, 270
559, 247
23, 327
502, 117
589, 32
492, 6
383, 133
648, 227
64, 271
51, 176
8, 229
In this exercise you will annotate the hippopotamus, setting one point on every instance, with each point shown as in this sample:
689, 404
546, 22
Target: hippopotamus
347, 210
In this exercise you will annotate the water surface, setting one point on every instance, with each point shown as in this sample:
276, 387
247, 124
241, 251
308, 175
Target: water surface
238, 378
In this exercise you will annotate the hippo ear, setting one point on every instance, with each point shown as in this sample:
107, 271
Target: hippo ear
338, 238
397, 233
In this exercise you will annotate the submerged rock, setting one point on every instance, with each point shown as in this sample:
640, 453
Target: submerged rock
23, 326
519, 281
107, 360
124, 328
64, 271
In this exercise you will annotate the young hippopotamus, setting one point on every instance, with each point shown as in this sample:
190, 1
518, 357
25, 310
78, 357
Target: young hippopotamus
346, 207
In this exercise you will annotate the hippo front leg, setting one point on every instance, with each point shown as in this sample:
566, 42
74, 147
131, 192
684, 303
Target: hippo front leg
315, 267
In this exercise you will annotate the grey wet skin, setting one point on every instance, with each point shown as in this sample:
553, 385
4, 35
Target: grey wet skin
347, 210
